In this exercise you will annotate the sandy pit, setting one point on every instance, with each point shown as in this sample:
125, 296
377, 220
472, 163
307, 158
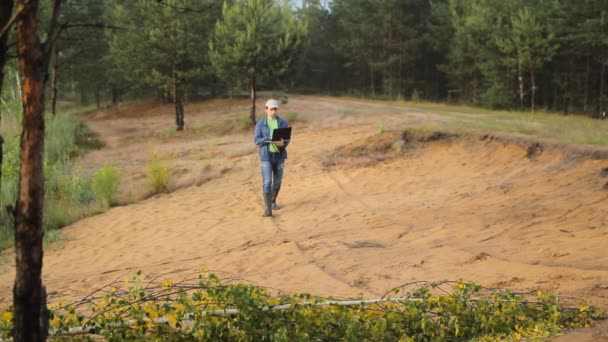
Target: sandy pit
489, 208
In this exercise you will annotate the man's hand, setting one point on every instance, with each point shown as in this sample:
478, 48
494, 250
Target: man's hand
280, 143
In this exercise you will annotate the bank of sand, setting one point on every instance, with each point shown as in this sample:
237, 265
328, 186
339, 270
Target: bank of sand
476, 208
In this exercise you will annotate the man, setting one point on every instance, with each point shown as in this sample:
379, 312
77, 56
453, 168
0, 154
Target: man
272, 155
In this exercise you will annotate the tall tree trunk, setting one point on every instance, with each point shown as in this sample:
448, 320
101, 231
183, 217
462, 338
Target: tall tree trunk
6, 10
371, 78
586, 97
532, 85
115, 95
54, 76
253, 98
178, 100
400, 83
475, 81
520, 77
555, 98
98, 98
565, 96
601, 97
179, 107
28, 293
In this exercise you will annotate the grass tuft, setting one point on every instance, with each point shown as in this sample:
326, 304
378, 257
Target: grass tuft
105, 184
159, 176
291, 116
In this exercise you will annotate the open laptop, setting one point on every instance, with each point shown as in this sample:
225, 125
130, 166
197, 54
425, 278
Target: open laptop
281, 133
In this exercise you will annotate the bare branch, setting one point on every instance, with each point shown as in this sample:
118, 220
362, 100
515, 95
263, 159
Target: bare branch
54, 31
93, 25
10, 23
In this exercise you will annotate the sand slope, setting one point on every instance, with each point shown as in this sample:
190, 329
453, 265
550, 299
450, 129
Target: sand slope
463, 208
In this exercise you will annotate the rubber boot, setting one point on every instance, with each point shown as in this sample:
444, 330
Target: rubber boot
267, 204
275, 193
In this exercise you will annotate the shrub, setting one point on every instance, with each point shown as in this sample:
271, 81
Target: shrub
67, 195
60, 138
105, 183
80, 190
159, 176
382, 128
291, 116
245, 122
415, 96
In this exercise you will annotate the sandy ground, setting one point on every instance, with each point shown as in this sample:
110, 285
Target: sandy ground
463, 208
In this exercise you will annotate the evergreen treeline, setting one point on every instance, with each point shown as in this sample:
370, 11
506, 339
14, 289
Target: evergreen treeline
518, 54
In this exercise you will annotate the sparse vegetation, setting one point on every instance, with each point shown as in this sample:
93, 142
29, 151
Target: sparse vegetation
415, 96
105, 183
159, 176
244, 122
291, 116
381, 127
567, 128
68, 195
380, 147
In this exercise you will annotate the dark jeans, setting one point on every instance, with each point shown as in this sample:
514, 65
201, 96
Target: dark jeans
272, 173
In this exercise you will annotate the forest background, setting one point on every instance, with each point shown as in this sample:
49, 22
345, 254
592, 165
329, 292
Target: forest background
526, 55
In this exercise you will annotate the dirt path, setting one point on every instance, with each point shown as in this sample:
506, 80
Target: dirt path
465, 208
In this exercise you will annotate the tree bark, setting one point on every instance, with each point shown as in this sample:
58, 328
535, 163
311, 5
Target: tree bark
6, 10
520, 78
601, 97
253, 98
98, 98
28, 292
178, 100
587, 79
54, 76
532, 85
114, 90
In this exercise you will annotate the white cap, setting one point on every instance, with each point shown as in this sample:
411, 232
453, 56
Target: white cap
272, 103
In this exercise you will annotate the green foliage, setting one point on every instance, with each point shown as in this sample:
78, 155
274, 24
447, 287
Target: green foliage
244, 122
254, 39
60, 140
159, 176
212, 310
415, 96
381, 127
84, 58
79, 189
67, 194
291, 116
105, 184
163, 48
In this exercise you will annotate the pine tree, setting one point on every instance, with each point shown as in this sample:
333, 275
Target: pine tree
163, 46
254, 38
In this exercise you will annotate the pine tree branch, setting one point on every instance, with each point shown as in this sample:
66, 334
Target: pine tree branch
93, 25
185, 9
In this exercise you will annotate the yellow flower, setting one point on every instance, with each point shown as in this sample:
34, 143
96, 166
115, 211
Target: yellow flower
167, 284
55, 322
7, 316
179, 307
172, 317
